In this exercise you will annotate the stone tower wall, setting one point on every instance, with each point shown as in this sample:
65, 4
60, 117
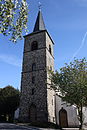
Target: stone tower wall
50, 91
43, 96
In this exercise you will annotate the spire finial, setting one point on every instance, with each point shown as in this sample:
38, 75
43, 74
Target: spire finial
39, 5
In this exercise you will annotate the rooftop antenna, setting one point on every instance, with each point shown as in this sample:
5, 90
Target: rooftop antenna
39, 6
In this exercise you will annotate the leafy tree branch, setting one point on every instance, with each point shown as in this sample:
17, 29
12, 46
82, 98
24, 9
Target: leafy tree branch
71, 84
13, 18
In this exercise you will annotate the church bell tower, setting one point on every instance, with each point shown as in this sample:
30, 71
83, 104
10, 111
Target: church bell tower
37, 102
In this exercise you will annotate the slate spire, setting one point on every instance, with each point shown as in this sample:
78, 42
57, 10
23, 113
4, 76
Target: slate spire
39, 25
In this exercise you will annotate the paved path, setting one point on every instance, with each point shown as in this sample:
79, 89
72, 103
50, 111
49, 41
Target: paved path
8, 126
73, 128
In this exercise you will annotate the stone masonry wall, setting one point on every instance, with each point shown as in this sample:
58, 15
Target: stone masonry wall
43, 98
50, 91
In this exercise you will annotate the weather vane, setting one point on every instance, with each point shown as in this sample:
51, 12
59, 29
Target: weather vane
39, 5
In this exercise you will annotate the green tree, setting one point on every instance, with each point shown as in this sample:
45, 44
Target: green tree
13, 18
9, 101
71, 84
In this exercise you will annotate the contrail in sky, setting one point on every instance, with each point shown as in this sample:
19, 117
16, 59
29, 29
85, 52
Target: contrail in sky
82, 43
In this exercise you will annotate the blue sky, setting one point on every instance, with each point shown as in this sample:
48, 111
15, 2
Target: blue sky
66, 22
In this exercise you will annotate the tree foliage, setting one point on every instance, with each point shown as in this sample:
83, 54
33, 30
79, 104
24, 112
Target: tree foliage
13, 18
9, 100
71, 84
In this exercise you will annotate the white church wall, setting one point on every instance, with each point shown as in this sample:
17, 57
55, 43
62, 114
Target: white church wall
71, 112
16, 115
85, 115
58, 107
71, 115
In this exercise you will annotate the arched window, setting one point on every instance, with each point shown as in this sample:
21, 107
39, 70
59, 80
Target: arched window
50, 49
34, 45
33, 66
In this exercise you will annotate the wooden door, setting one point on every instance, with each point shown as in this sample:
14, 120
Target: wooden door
63, 118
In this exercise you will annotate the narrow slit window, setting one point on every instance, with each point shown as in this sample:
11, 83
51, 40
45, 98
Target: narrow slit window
33, 90
33, 67
50, 49
33, 79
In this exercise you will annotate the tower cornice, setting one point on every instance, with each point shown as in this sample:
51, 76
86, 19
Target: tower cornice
33, 33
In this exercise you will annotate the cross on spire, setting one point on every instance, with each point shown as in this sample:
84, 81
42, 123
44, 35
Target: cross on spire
39, 5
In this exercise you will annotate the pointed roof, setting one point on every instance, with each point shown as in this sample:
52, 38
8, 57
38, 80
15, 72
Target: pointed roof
39, 25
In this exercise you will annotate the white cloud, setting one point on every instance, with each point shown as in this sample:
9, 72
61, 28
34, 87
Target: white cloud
81, 46
10, 59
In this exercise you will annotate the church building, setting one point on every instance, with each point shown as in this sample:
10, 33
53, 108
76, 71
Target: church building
38, 102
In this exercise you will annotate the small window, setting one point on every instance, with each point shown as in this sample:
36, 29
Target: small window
53, 119
51, 68
50, 49
52, 101
33, 90
33, 79
33, 66
34, 46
